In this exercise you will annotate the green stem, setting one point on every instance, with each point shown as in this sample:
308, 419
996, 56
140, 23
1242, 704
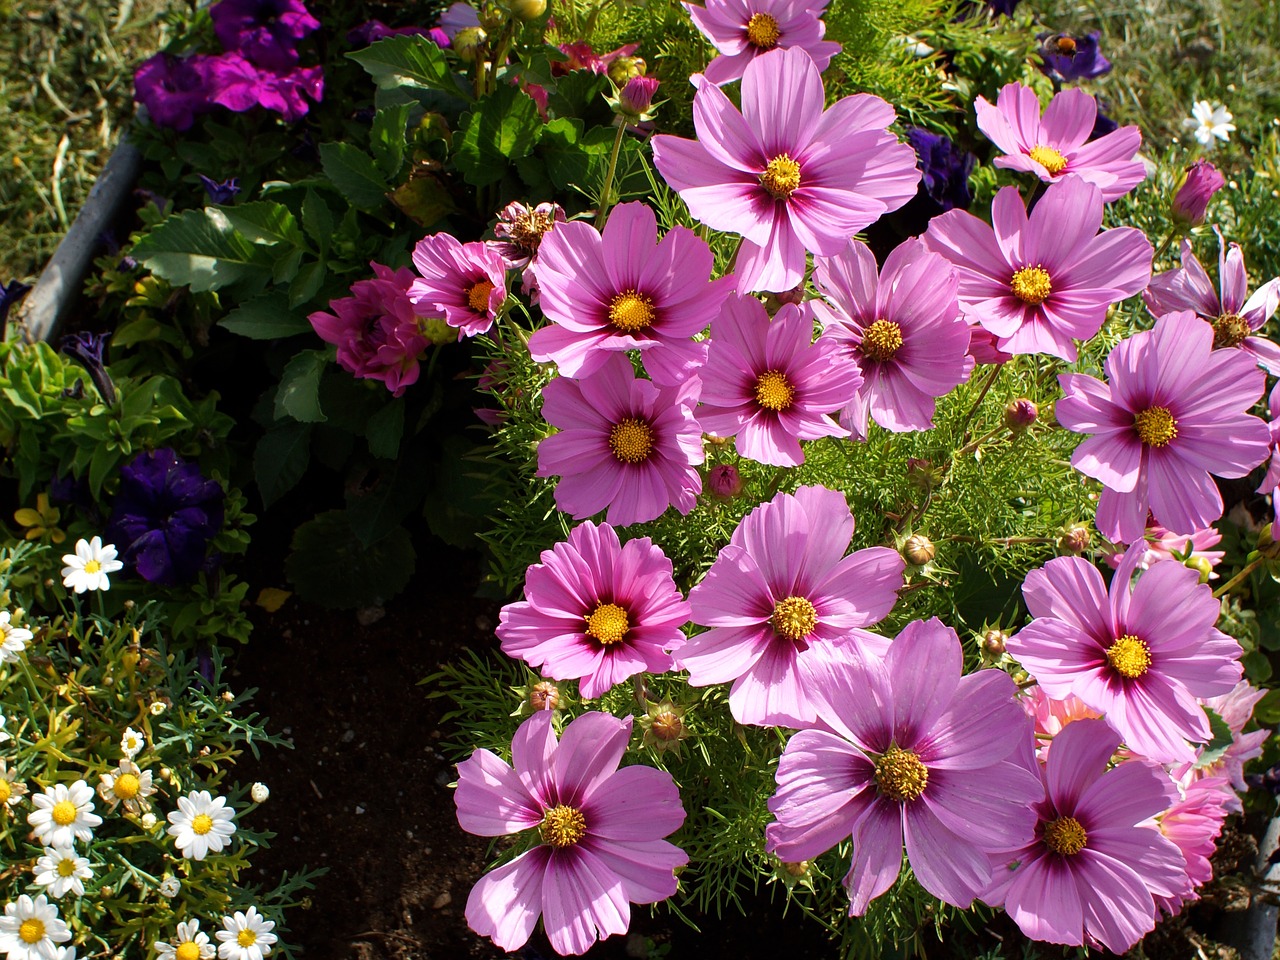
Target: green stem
964, 427
968, 448
1239, 577
608, 177
499, 55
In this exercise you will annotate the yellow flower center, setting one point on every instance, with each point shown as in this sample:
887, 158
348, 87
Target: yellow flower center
774, 391
1230, 330
246, 938
881, 340
478, 296
1129, 657
900, 774
794, 618
1155, 426
187, 951
31, 931
92, 566
64, 813
126, 786
66, 867
1031, 285
1065, 836
201, 823
630, 311
607, 623
631, 440
6, 791
762, 31
781, 177
1048, 158
563, 826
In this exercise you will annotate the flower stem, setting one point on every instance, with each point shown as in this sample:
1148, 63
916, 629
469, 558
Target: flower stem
1238, 578
608, 177
1174, 234
964, 428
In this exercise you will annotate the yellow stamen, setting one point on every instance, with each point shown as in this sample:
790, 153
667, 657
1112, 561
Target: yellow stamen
126, 786
563, 826
201, 824
1048, 158
1129, 656
900, 774
630, 311
881, 340
774, 391
631, 440
781, 177
92, 566
1031, 285
187, 951
246, 938
64, 813
6, 791
31, 931
1155, 426
794, 618
762, 31
66, 867
1065, 836
478, 296
1230, 330
607, 623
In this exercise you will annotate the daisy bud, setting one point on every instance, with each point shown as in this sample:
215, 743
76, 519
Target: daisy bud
993, 642
624, 68
544, 695
148, 822
157, 708
1020, 414
468, 43
259, 793
1074, 539
1192, 199
724, 482
919, 550
169, 887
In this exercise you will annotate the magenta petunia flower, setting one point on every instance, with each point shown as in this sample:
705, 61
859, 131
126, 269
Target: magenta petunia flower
742, 30
239, 85
903, 328
1139, 656
1173, 412
1090, 874
264, 31
175, 90
625, 290
783, 595
1037, 282
600, 830
785, 174
596, 611
467, 282
1234, 318
908, 750
1271, 480
624, 444
1058, 145
767, 383
1193, 823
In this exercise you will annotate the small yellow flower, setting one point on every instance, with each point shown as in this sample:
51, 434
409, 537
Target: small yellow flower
42, 522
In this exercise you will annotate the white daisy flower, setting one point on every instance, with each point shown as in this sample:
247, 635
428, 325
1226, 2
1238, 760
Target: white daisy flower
59, 871
190, 944
246, 936
87, 568
11, 790
132, 742
13, 640
63, 814
201, 824
1209, 121
128, 785
3, 733
31, 929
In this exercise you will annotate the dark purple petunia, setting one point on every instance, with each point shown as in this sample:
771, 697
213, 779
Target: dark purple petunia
374, 30
1067, 58
10, 294
220, 193
165, 514
264, 31
946, 169
240, 85
90, 350
174, 90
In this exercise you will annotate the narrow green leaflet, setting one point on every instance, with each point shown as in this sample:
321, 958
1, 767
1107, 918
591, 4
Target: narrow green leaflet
502, 127
267, 317
201, 249
355, 175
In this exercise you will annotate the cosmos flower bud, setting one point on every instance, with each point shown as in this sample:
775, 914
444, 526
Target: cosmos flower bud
724, 482
527, 10
636, 97
1020, 414
1192, 199
993, 642
1074, 539
544, 695
919, 550
1201, 565
923, 475
664, 727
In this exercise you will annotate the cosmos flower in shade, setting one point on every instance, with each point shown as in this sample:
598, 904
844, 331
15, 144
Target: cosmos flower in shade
781, 596
945, 170
240, 85
742, 30
1271, 480
600, 828
467, 282
1172, 412
903, 328
1193, 823
1191, 202
1091, 873
1038, 282
596, 611
1236, 709
785, 174
769, 385
264, 31
1234, 318
908, 751
1163, 543
175, 90
623, 443
1057, 145
1067, 58
1140, 656
625, 290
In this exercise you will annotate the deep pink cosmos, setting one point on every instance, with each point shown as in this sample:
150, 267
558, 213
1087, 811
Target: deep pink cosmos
467, 282
742, 30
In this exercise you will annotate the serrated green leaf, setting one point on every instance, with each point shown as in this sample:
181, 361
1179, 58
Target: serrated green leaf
280, 459
384, 430
406, 61
1220, 738
501, 128
299, 393
266, 317
265, 222
317, 220
200, 249
307, 283
387, 138
328, 564
355, 175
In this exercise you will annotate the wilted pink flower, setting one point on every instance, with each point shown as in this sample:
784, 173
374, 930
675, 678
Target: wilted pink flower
1191, 202
1272, 478
1057, 145
467, 282
582, 57
1193, 823
1163, 543
742, 30
1039, 282
785, 174
519, 232
600, 828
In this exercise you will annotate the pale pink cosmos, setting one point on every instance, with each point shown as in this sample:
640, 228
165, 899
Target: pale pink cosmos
467, 282
1236, 710
600, 828
1050, 716
1271, 480
781, 596
596, 611
1174, 412
785, 174
1039, 282
1057, 145
1163, 543
742, 30
1194, 823
769, 385
902, 327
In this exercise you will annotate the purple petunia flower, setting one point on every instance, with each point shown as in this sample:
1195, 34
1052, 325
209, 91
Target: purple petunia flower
1067, 58
10, 294
945, 170
1173, 412
785, 174
240, 85
220, 193
783, 595
90, 350
467, 282
908, 751
174, 90
1039, 282
600, 828
742, 30
460, 16
266, 32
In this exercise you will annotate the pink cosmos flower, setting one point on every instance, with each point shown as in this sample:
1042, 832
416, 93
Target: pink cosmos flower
742, 30
1233, 318
908, 750
600, 828
785, 174
467, 282
769, 385
376, 329
1162, 543
1271, 480
1193, 823
624, 444
1050, 716
520, 229
1173, 412
1039, 281
903, 328
625, 290
1057, 145
1090, 874
783, 595
1140, 656
596, 611
1236, 709
1191, 202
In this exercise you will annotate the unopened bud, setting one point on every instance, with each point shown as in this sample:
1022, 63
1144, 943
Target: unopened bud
624, 68
724, 482
993, 642
922, 475
157, 707
1020, 414
468, 43
544, 695
636, 97
148, 822
170, 886
1074, 539
1192, 199
797, 869
527, 10
258, 793
919, 550
437, 330
1267, 547
1201, 565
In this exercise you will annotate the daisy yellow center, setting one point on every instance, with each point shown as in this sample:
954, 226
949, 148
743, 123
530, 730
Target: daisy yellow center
900, 774
64, 813
66, 868
607, 623
781, 177
92, 566
1230, 330
631, 440
881, 340
631, 311
31, 931
1155, 426
1048, 158
1031, 285
246, 938
6, 791
762, 31
201, 823
563, 826
478, 296
774, 391
187, 951
126, 786
794, 618
1065, 836
1129, 657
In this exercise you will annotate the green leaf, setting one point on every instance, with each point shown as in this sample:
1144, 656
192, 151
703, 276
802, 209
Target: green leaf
328, 564
265, 222
384, 430
280, 460
1220, 738
1257, 667
307, 283
387, 493
412, 61
355, 175
575, 158
201, 249
387, 138
266, 317
423, 199
317, 220
501, 128
299, 392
